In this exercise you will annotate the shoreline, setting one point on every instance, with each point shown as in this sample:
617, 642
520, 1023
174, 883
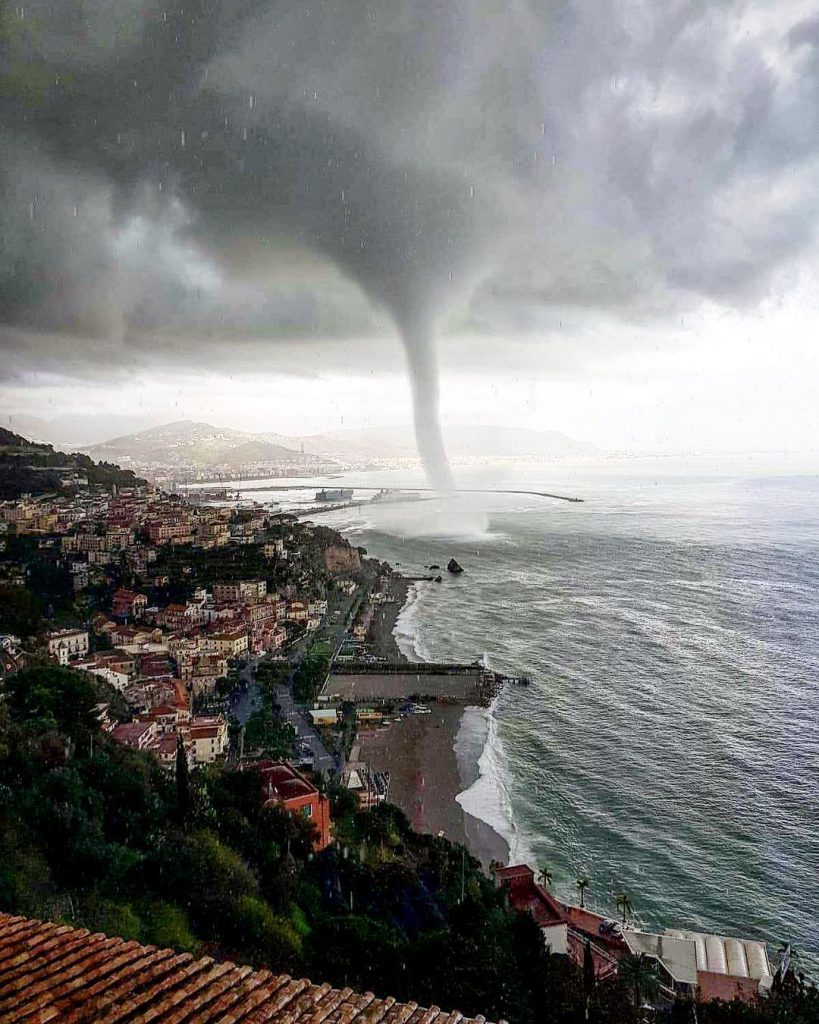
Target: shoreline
381, 633
428, 771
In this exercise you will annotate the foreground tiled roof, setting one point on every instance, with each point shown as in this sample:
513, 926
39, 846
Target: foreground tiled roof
52, 972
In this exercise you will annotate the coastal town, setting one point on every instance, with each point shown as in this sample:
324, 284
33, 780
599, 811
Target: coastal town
242, 637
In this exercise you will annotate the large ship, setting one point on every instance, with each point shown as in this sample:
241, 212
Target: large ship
334, 494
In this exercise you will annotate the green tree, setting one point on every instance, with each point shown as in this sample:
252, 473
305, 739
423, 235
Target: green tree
167, 926
582, 885
56, 698
639, 973
20, 612
182, 780
624, 905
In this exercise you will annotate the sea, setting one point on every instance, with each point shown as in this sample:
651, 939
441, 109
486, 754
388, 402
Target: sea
668, 745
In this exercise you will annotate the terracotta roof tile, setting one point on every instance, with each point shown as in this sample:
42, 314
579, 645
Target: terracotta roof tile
67, 975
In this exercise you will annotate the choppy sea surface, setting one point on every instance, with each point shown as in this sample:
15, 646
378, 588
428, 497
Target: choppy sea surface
668, 746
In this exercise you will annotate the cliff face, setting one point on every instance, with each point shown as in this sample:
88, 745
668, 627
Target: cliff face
341, 558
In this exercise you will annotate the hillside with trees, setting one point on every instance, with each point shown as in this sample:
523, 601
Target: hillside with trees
30, 468
98, 835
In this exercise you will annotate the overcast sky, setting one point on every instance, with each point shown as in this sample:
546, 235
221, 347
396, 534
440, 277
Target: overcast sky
258, 214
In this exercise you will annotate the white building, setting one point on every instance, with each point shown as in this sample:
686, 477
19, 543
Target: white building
66, 644
209, 735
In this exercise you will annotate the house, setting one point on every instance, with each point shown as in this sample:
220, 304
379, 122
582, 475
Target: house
180, 618
128, 636
209, 735
245, 590
111, 668
260, 612
297, 612
232, 643
126, 604
266, 638
139, 735
690, 965
147, 694
167, 718
169, 530
165, 748
212, 533
285, 786
67, 644
156, 666
102, 625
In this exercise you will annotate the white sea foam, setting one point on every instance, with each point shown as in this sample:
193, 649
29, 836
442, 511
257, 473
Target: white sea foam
406, 631
488, 797
478, 741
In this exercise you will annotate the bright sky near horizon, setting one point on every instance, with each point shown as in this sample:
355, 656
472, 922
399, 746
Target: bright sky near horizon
735, 383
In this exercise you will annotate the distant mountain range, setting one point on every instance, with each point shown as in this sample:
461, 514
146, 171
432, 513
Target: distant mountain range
187, 446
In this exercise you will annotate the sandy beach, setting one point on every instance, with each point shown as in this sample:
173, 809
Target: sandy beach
425, 778
380, 635
419, 754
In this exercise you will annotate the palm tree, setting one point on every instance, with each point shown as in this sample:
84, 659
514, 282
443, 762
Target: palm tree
639, 973
624, 905
582, 885
545, 876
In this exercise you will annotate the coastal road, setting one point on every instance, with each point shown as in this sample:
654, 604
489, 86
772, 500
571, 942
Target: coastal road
247, 699
305, 730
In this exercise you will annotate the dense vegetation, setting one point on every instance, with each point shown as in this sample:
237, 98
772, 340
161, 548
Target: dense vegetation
28, 468
98, 835
310, 675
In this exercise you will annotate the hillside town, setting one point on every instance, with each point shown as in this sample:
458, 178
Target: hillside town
148, 592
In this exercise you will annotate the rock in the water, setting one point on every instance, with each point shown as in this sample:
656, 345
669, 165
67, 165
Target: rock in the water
439, 579
435, 567
452, 566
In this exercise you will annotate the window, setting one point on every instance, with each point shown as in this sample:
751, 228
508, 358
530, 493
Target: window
307, 811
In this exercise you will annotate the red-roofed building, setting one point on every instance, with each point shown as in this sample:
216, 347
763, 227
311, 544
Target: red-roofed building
166, 717
285, 786
139, 735
690, 965
52, 972
126, 604
164, 749
156, 666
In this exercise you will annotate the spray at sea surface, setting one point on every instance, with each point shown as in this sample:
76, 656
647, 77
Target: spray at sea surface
669, 743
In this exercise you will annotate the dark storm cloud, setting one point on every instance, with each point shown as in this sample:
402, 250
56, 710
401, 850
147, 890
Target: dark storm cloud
161, 161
